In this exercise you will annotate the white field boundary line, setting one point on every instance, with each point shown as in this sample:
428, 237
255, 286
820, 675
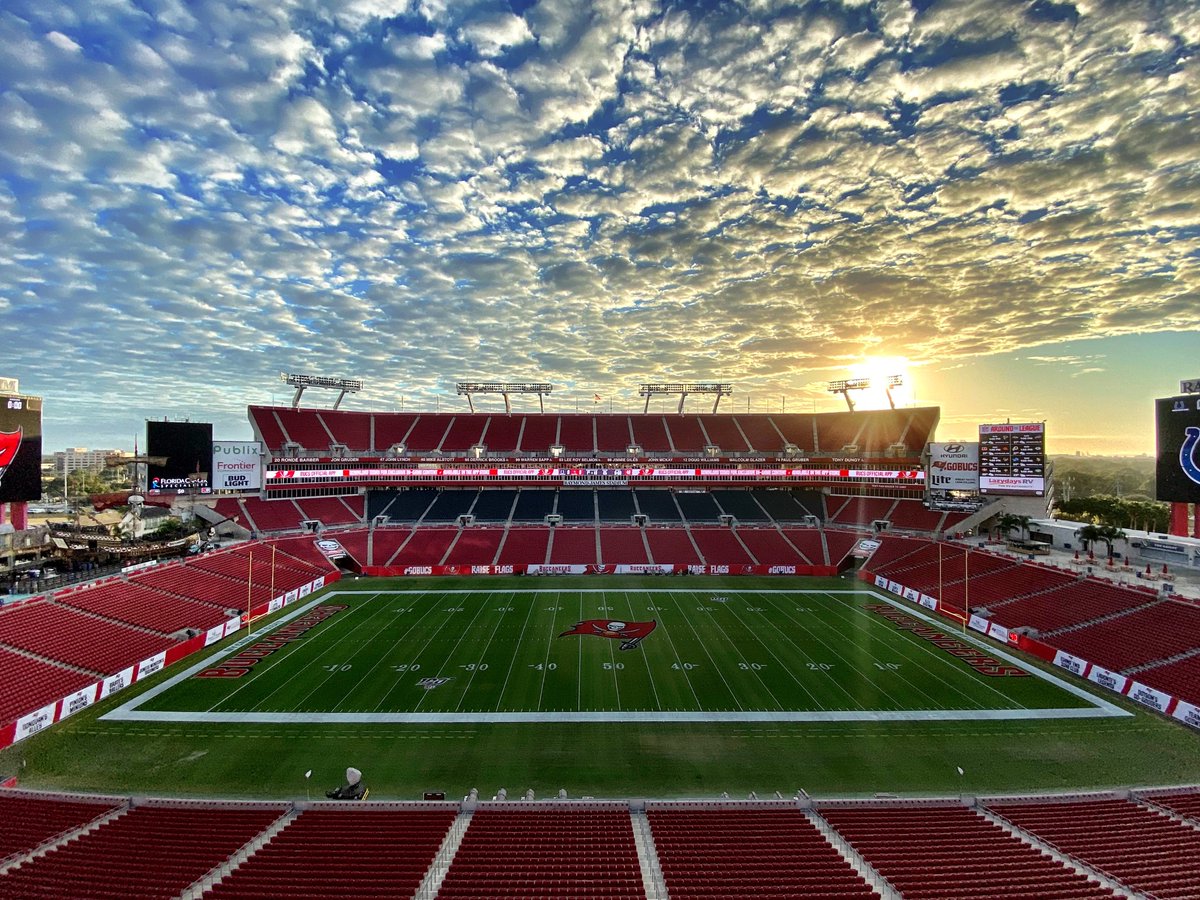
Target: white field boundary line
1100, 708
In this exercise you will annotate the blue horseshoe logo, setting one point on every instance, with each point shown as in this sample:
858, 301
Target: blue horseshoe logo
1187, 452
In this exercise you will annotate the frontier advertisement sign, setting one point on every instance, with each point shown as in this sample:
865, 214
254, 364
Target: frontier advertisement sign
953, 467
237, 465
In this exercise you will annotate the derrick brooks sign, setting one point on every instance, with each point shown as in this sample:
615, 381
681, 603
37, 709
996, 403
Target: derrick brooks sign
237, 466
954, 467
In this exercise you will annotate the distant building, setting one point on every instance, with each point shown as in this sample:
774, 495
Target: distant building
76, 459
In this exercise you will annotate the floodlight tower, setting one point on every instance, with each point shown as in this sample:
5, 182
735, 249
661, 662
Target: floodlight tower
846, 385
890, 382
300, 382
504, 389
717, 389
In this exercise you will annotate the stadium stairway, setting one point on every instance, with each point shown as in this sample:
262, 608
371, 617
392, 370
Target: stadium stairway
1105, 618
1166, 661
33, 827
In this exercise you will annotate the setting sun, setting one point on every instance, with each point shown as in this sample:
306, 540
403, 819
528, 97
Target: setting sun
879, 369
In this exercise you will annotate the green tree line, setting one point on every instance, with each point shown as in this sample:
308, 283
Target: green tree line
1118, 512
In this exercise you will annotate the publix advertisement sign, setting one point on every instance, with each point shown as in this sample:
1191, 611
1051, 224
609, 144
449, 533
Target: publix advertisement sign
237, 466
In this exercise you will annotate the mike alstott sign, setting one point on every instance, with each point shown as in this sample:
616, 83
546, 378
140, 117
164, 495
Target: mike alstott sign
237, 465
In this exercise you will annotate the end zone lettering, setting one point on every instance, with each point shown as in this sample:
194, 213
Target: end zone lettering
971, 655
243, 662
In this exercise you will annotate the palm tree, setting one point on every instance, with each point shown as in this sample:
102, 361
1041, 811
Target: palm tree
1108, 534
1006, 522
1023, 522
1089, 534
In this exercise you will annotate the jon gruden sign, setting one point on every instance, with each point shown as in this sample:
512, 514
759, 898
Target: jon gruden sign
237, 466
954, 467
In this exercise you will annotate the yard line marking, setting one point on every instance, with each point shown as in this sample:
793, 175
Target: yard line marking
613, 662
853, 621
814, 633
373, 637
512, 663
462, 634
549, 644
286, 653
774, 656
483, 653
436, 599
732, 643
945, 659
579, 664
662, 625
382, 634
642, 655
713, 662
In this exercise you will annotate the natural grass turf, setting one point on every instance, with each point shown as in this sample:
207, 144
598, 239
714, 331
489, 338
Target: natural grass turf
616, 759
506, 651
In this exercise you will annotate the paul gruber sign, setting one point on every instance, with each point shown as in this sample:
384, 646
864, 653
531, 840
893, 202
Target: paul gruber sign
237, 465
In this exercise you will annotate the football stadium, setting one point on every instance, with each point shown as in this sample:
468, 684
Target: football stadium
605, 655
608, 450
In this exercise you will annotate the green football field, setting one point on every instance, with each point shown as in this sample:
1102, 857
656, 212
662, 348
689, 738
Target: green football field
709, 685
594, 654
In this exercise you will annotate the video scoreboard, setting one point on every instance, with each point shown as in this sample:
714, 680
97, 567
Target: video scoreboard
1178, 459
20, 446
1012, 459
188, 448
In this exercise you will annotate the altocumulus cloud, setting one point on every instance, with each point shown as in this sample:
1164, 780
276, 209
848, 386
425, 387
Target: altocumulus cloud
587, 192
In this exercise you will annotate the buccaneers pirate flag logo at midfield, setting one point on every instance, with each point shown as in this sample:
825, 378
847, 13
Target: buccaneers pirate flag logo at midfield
629, 633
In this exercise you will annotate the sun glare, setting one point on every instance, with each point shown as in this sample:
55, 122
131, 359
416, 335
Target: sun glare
879, 369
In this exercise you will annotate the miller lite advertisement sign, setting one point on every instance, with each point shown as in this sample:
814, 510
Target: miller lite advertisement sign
953, 467
1177, 470
20, 448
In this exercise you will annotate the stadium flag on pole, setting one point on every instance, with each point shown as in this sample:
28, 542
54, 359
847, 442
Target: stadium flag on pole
596, 398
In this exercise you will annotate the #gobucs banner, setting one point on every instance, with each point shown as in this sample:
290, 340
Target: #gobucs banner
10, 443
629, 633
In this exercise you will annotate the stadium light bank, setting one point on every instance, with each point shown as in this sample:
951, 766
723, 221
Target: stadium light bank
504, 389
300, 382
846, 385
718, 389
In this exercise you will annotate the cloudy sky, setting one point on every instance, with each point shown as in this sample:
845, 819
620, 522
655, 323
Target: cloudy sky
999, 198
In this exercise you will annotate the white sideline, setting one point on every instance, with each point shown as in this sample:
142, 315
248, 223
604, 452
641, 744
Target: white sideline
130, 711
